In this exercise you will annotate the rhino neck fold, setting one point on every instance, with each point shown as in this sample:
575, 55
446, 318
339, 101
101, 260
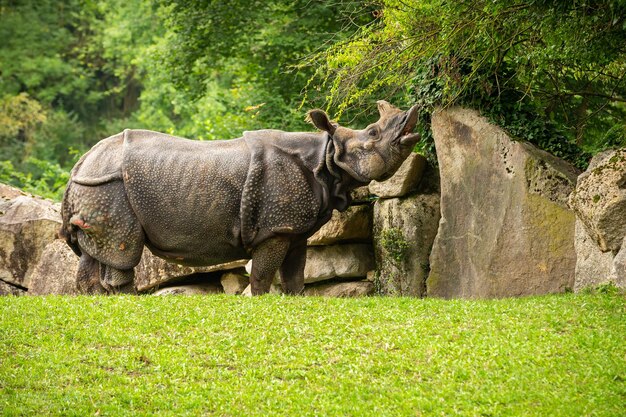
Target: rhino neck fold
297, 165
340, 182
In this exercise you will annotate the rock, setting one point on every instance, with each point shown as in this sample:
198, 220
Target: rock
405, 180
341, 289
153, 271
600, 199
9, 193
27, 226
593, 267
430, 183
55, 273
360, 195
194, 289
505, 228
404, 231
354, 224
345, 261
8, 289
275, 289
234, 283
618, 270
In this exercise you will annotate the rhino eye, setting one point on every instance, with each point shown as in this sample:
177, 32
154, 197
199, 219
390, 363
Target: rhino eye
373, 132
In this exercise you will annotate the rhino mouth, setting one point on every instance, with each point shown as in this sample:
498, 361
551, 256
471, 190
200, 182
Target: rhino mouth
408, 123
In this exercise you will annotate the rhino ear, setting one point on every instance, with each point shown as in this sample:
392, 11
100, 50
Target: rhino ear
320, 120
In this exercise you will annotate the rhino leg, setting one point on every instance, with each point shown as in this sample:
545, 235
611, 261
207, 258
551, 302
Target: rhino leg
266, 259
88, 276
292, 269
117, 280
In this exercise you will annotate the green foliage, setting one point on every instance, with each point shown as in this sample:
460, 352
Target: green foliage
39, 177
243, 57
609, 288
37, 38
551, 72
19, 117
301, 356
70, 77
60, 138
391, 275
394, 244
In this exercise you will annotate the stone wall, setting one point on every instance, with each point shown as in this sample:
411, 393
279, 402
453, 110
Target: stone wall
406, 217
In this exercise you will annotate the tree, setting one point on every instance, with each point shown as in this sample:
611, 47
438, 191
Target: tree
69, 77
551, 72
242, 56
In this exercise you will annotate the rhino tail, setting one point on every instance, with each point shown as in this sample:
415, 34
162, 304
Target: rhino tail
68, 230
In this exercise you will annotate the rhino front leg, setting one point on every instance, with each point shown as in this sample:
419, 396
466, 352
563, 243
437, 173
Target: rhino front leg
292, 269
266, 259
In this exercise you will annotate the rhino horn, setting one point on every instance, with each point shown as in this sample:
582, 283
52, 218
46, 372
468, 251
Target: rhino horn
407, 137
387, 109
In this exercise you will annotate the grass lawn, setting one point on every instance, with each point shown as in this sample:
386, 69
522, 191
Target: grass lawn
224, 355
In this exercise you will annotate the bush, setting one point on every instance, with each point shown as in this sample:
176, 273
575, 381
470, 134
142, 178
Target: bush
40, 177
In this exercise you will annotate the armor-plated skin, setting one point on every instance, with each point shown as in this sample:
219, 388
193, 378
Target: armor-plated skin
204, 203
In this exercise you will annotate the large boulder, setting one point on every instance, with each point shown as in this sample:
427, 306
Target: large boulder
618, 269
600, 199
404, 231
8, 289
55, 273
405, 180
593, 267
505, 227
27, 226
9, 193
354, 224
344, 261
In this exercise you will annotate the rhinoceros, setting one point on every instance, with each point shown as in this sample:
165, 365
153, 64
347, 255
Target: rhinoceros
197, 203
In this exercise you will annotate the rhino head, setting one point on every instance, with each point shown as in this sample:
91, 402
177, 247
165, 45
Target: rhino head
376, 152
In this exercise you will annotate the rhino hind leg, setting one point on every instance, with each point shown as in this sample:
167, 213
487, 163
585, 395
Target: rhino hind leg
106, 230
117, 280
266, 259
88, 276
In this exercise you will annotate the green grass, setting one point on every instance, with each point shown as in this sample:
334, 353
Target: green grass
233, 356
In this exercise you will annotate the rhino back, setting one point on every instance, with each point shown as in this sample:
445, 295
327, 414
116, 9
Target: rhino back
186, 195
102, 163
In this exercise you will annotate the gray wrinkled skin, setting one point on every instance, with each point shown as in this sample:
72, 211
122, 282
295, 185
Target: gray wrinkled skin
204, 203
